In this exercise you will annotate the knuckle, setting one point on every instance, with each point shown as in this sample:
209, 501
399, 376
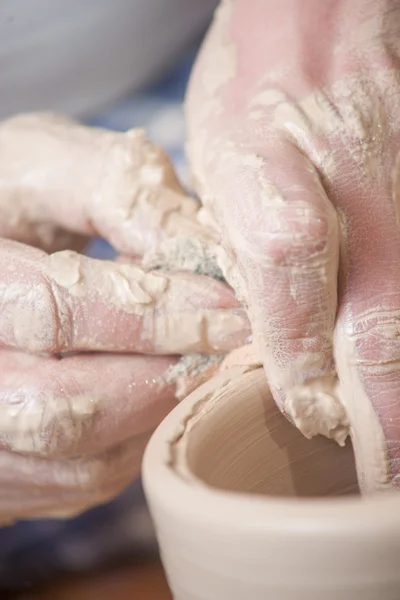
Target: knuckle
34, 315
28, 310
62, 328
298, 226
376, 338
290, 236
47, 423
23, 428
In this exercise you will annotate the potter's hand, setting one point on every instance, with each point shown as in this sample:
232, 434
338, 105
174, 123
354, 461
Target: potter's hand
72, 431
293, 115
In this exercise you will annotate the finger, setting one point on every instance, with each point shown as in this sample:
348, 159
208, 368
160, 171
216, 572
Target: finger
33, 487
55, 173
81, 404
367, 341
66, 302
284, 234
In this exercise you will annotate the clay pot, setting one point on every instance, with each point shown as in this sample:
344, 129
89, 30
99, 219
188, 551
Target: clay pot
245, 507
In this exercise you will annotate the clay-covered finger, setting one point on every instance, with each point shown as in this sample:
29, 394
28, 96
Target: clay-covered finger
33, 487
283, 234
367, 339
81, 404
66, 302
56, 173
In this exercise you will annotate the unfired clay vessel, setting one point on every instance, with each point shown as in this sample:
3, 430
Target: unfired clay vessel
246, 507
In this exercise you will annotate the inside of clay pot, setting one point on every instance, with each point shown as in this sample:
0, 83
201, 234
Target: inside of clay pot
244, 444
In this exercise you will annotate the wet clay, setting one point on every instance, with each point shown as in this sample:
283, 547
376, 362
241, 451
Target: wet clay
191, 371
245, 506
56, 173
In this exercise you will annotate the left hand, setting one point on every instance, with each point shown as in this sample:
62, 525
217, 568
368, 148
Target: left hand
73, 427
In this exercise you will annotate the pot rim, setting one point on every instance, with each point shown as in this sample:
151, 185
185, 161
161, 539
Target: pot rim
338, 517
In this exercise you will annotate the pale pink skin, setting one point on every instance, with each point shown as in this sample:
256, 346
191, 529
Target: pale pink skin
297, 46
72, 462
54, 458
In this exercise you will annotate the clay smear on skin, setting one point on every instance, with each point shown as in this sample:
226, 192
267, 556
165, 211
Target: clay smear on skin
126, 180
369, 443
151, 297
361, 118
128, 287
27, 422
313, 406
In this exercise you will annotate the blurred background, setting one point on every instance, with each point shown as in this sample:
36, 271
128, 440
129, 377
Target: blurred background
79, 56
117, 64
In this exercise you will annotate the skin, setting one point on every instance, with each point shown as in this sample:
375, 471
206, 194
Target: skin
83, 358
307, 209
305, 188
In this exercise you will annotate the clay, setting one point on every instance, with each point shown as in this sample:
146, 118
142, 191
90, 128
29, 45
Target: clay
191, 371
245, 506
57, 174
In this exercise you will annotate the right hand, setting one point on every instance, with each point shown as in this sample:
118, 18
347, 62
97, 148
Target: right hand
293, 112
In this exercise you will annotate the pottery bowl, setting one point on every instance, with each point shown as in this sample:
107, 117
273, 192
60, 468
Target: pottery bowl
245, 507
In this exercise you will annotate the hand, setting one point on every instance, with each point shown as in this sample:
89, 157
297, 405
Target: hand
73, 429
293, 113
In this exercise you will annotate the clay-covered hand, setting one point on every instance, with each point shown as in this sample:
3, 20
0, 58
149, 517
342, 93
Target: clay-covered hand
78, 398
294, 140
